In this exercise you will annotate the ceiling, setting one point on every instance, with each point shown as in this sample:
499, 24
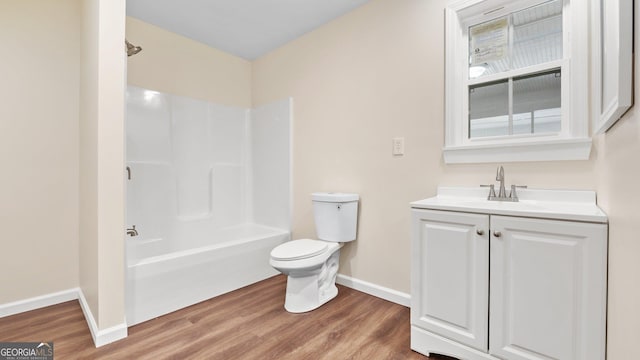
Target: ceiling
245, 28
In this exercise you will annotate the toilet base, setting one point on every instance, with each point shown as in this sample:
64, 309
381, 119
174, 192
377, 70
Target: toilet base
306, 292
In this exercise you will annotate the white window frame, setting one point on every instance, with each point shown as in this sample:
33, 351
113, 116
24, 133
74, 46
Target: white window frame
571, 143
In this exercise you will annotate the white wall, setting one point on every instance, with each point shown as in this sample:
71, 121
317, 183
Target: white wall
39, 147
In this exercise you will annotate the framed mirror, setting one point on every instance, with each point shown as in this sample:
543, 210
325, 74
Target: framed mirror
612, 61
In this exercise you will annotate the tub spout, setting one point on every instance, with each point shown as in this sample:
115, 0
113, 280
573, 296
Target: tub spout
132, 232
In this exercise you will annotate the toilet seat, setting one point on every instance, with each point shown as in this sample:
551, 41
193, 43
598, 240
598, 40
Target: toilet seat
299, 249
310, 258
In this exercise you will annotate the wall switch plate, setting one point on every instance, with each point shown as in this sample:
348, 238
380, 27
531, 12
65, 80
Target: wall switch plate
398, 146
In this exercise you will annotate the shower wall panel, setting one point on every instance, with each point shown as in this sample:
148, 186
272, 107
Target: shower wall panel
151, 205
191, 157
148, 126
271, 164
189, 168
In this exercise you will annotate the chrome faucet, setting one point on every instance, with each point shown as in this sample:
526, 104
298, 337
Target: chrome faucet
502, 192
132, 232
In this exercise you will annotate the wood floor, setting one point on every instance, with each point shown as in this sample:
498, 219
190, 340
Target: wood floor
249, 323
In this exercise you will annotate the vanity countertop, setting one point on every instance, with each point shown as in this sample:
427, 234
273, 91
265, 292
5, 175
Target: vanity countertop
576, 205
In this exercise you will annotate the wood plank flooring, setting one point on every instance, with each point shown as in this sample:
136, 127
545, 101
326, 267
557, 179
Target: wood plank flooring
249, 323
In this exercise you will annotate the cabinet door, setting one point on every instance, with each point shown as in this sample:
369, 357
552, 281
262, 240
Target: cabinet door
548, 289
449, 275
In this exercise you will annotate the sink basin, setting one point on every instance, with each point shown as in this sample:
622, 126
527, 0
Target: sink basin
579, 205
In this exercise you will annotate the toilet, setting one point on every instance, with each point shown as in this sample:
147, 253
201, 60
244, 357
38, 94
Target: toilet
311, 266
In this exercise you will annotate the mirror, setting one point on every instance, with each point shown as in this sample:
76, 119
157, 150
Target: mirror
612, 59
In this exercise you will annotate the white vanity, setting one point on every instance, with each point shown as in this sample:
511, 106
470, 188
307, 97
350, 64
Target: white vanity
509, 280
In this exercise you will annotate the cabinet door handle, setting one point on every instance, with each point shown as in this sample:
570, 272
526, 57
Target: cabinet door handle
497, 233
480, 232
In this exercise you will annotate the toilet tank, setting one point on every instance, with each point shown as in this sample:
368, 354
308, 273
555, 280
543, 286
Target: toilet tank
336, 216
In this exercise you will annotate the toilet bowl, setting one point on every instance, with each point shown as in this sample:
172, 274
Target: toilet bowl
311, 265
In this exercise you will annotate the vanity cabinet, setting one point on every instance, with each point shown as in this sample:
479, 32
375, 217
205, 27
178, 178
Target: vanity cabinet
548, 281
490, 286
451, 270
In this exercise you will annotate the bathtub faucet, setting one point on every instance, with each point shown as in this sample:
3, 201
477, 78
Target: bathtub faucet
132, 232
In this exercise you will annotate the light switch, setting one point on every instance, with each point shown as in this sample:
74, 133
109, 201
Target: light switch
398, 146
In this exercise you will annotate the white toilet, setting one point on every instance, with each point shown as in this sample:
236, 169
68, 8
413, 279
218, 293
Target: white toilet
312, 265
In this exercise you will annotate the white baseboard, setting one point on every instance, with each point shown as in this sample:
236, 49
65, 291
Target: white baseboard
105, 336
382, 292
38, 302
100, 337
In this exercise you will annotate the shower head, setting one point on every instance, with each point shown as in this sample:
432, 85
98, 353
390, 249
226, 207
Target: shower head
132, 49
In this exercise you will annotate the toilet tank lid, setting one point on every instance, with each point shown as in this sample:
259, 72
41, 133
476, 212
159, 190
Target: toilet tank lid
334, 197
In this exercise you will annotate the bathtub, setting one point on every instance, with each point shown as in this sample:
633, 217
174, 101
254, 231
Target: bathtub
162, 278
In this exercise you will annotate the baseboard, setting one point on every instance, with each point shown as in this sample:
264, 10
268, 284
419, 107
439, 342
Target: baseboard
382, 292
100, 337
105, 336
38, 302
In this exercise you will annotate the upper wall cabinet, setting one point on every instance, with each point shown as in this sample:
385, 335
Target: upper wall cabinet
516, 81
611, 61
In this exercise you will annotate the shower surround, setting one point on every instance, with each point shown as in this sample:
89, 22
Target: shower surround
209, 193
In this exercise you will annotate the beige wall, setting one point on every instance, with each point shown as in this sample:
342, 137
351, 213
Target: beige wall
356, 83
174, 64
378, 73
88, 127
102, 85
38, 147
111, 196
619, 196
618, 176
372, 75
62, 208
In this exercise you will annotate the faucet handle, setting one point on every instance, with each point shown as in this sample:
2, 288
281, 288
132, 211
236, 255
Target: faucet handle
492, 191
513, 195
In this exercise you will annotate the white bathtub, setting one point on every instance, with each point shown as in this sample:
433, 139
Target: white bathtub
159, 282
